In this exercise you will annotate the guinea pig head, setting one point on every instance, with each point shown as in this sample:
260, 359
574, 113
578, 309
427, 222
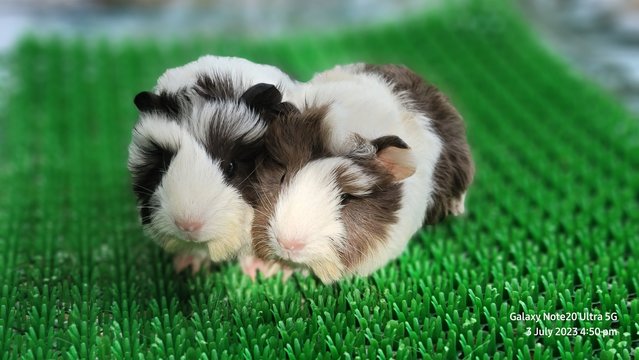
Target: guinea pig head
192, 158
327, 212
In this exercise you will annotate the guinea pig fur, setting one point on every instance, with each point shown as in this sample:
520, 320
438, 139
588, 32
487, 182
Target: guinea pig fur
193, 149
389, 143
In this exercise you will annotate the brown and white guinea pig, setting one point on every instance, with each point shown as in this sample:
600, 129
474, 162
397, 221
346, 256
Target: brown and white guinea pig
394, 99
192, 155
323, 211
374, 153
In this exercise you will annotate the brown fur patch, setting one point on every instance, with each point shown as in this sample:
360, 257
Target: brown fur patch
291, 140
455, 168
367, 218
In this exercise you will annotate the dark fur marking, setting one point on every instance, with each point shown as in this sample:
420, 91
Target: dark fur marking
390, 140
455, 169
241, 150
215, 87
261, 96
264, 99
166, 103
218, 142
295, 138
291, 141
146, 101
148, 175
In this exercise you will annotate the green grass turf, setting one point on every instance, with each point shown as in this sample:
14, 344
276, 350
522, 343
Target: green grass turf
552, 220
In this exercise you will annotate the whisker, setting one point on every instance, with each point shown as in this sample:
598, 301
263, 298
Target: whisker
247, 176
138, 186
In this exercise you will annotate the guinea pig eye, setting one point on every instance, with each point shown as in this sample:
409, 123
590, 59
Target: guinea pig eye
228, 167
346, 198
282, 179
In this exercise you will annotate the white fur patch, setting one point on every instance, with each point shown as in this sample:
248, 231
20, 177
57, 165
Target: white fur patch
308, 210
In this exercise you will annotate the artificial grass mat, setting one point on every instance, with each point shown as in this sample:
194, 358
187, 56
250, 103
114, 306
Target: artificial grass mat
552, 223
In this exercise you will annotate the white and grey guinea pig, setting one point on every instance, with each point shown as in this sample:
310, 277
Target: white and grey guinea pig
193, 150
359, 174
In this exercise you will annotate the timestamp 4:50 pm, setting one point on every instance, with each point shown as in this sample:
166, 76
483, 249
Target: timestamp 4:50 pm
571, 331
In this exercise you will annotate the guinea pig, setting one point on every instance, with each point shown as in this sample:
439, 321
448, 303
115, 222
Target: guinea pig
396, 100
192, 155
347, 181
325, 212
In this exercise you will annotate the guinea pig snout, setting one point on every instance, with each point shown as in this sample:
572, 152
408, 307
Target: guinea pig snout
189, 225
291, 244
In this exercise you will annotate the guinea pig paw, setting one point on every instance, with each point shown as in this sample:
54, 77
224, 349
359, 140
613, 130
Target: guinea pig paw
457, 205
328, 273
251, 265
183, 261
287, 272
269, 268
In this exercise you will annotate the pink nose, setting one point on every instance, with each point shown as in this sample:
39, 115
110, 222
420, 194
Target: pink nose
291, 244
188, 226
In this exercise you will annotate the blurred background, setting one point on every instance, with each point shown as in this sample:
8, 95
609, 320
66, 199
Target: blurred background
599, 37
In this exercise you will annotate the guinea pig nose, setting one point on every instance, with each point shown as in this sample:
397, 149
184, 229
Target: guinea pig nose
189, 225
291, 244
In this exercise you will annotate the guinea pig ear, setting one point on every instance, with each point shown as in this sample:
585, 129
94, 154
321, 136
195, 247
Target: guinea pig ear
395, 155
168, 104
285, 108
147, 101
261, 96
